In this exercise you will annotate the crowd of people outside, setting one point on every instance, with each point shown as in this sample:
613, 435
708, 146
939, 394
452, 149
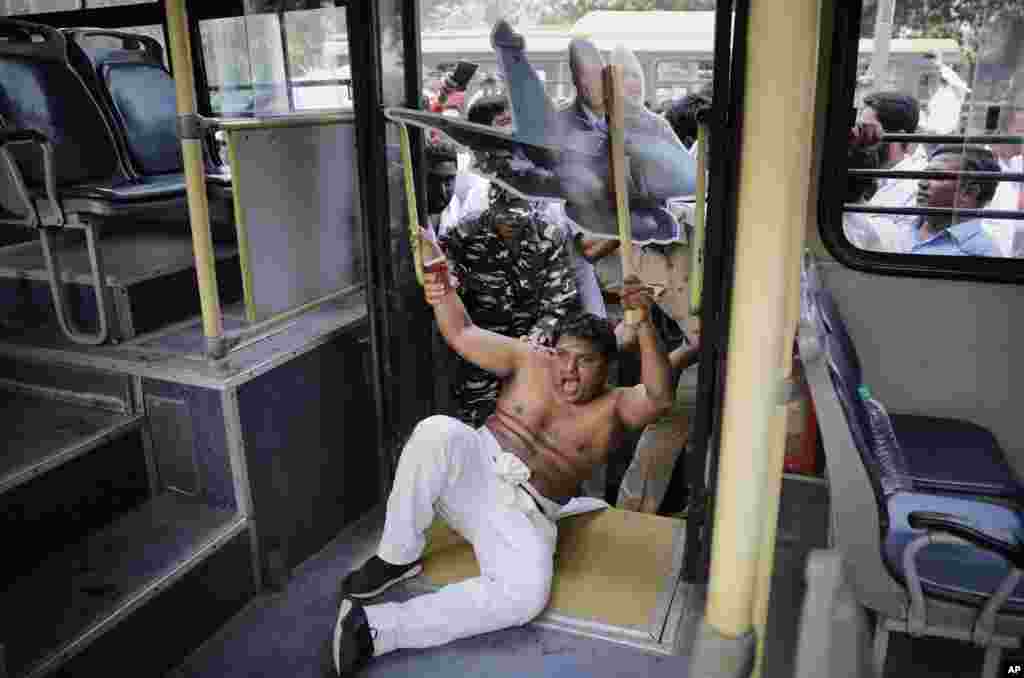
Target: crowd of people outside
895, 112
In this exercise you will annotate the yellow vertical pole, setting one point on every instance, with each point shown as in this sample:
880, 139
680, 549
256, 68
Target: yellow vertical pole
195, 170
699, 221
772, 203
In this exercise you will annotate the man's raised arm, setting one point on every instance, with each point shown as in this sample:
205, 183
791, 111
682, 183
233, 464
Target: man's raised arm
487, 350
644, 403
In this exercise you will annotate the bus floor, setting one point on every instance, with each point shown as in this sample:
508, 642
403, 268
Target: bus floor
282, 633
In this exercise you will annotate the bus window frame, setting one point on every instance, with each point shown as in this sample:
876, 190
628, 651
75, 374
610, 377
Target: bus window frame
841, 76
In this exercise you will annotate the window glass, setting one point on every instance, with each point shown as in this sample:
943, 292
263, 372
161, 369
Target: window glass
274, 64
90, 4
942, 69
15, 7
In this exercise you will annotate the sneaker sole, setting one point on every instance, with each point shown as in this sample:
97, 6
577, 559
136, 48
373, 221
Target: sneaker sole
408, 574
343, 611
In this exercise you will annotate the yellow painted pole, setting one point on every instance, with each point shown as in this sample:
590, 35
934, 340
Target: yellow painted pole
410, 202
699, 220
772, 202
806, 67
195, 171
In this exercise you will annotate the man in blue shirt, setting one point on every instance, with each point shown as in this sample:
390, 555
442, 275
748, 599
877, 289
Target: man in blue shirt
943, 234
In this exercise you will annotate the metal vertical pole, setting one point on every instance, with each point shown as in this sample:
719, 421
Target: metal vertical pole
883, 37
195, 175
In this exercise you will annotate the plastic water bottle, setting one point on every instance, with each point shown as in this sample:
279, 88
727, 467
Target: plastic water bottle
887, 448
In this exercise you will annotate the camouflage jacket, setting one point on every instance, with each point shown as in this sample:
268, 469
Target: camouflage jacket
511, 292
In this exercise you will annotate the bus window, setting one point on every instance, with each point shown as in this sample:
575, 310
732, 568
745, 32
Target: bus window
274, 64
949, 88
15, 7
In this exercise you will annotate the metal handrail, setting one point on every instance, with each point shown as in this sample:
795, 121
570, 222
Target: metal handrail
929, 211
935, 174
952, 138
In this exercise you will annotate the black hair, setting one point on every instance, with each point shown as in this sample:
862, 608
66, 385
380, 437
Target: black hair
682, 115
973, 159
590, 327
485, 109
896, 111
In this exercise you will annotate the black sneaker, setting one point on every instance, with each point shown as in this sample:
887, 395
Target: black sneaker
351, 643
376, 576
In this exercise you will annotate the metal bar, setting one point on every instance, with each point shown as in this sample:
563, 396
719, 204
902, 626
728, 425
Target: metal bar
195, 177
244, 249
371, 158
60, 303
935, 174
285, 61
239, 339
699, 216
958, 211
727, 106
310, 120
245, 87
954, 138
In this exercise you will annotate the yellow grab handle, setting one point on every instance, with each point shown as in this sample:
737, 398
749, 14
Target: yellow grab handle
410, 202
697, 246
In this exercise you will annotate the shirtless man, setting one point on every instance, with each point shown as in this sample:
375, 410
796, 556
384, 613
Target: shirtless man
502, 485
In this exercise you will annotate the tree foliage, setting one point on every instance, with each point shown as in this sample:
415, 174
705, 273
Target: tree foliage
455, 14
989, 30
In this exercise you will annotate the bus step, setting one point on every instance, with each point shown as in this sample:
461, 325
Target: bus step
79, 594
150, 282
43, 434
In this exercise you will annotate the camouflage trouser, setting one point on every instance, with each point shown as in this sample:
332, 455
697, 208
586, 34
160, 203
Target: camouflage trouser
476, 392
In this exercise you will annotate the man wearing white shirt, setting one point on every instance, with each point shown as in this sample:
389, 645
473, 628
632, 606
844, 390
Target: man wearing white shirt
896, 112
1008, 232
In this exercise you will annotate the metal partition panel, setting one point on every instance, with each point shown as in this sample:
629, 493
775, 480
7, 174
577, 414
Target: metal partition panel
297, 210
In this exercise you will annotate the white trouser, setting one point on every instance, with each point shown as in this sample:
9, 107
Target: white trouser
463, 474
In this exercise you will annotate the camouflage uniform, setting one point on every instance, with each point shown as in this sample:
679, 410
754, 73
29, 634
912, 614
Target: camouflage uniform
512, 289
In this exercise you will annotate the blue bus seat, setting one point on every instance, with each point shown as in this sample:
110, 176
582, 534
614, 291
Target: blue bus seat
925, 561
138, 94
63, 160
943, 454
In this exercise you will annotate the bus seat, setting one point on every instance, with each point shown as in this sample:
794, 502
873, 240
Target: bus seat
926, 563
63, 160
943, 454
138, 93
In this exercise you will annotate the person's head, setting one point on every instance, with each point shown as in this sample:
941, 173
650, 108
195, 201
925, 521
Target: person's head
632, 74
682, 114
491, 110
584, 350
896, 112
587, 68
442, 166
965, 193
510, 213
1011, 123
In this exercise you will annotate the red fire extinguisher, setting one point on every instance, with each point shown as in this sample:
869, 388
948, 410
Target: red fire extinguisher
801, 430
